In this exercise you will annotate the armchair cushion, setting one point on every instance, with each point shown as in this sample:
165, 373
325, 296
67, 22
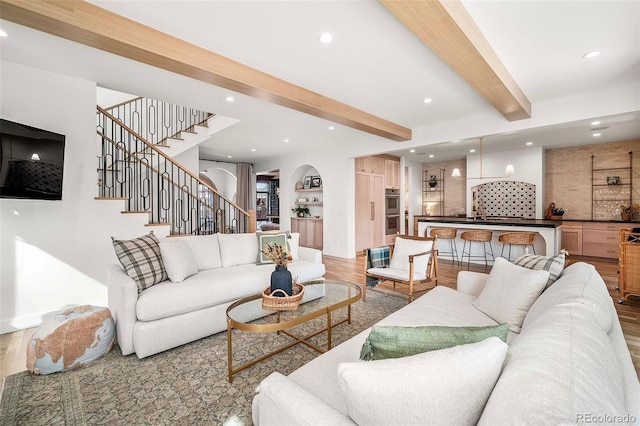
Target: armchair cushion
403, 248
396, 274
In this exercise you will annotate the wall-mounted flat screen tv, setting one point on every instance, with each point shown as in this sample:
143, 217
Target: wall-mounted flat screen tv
31, 162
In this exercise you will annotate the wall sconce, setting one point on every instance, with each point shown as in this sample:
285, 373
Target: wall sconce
509, 170
35, 156
455, 173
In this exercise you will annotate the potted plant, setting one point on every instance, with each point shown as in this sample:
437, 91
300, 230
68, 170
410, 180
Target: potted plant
301, 211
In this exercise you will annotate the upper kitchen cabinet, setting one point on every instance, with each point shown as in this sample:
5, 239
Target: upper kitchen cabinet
386, 165
391, 174
373, 165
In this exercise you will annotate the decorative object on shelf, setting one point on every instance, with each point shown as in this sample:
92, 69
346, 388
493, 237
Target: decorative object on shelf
613, 180
301, 211
281, 277
299, 185
553, 213
271, 301
433, 181
626, 213
316, 182
307, 182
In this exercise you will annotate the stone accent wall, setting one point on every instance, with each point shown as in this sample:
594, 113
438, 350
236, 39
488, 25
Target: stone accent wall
568, 174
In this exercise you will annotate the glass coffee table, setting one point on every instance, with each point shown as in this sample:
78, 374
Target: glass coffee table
320, 298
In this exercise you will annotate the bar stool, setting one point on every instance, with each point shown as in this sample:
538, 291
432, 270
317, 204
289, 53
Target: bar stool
519, 239
477, 236
447, 234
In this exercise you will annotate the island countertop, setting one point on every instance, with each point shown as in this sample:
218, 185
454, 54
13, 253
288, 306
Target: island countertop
536, 223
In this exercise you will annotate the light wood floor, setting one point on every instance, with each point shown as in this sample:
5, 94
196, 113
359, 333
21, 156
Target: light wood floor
13, 345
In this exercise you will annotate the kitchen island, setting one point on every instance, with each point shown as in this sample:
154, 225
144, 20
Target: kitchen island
547, 241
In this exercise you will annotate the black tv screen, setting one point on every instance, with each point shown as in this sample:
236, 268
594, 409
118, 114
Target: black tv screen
31, 162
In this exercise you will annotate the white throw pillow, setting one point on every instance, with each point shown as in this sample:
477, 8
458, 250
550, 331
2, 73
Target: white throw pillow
206, 251
403, 248
452, 385
178, 259
294, 245
509, 292
238, 249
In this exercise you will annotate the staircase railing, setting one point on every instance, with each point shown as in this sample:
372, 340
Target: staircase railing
155, 120
132, 168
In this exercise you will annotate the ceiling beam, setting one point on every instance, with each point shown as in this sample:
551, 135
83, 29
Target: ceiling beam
93, 26
447, 29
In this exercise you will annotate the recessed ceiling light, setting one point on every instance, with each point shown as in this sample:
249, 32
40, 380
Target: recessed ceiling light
595, 135
591, 54
286, 140
229, 99
253, 150
229, 156
325, 38
430, 155
529, 143
3, 33
472, 150
595, 123
331, 128
427, 100
412, 150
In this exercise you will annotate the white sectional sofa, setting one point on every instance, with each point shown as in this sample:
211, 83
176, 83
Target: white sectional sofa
170, 314
569, 364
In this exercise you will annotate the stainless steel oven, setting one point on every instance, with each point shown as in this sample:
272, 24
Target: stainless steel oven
392, 211
392, 224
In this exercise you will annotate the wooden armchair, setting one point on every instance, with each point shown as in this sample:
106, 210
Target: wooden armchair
411, 260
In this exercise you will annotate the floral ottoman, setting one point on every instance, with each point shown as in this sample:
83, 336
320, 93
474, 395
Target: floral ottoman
70, 339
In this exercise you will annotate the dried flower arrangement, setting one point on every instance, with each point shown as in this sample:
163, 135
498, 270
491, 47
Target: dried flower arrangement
277, 254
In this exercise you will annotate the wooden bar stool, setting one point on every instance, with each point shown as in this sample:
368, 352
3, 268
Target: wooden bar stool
477, 236
519, 239
447, 234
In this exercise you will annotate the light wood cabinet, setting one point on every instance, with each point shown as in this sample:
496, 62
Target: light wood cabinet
369, 210
363, 164
572, 237
391, 174
601, 239
377, 165
310, 230
370, 165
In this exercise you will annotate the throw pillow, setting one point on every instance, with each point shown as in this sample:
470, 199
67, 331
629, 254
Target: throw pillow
509, 292
396, 342
238, 249
178, 259
453, 385
403, 248
294, 245
206, 250
266, 238
141, 260
553, 264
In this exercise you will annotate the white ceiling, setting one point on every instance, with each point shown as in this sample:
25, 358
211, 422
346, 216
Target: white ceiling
375, 64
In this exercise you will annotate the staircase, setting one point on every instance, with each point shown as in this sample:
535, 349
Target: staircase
138, 172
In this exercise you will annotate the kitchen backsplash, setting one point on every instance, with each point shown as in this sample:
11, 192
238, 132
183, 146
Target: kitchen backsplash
505, 199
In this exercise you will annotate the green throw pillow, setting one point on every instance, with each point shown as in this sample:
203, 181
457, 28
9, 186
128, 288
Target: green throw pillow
396, 342
265, 238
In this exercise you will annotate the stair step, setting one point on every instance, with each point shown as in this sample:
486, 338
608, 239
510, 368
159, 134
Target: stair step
111, 198
159, 224
135, 211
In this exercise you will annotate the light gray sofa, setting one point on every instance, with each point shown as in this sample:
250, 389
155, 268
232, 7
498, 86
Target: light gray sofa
170, 314
569, 363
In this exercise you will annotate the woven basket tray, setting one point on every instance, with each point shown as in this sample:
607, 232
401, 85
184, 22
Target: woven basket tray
286, 303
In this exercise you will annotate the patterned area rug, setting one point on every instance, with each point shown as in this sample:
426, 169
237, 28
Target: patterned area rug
186, 385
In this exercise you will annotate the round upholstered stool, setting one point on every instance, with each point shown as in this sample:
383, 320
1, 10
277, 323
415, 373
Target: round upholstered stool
70, 339
517, 238
447, 234
477, 236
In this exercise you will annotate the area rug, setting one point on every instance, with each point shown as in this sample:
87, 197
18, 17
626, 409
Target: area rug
186, 385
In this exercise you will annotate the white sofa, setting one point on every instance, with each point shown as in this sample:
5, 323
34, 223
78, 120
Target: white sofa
569, 364
170, 314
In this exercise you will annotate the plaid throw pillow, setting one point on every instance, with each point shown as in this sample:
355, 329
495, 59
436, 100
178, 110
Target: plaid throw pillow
141, 259
553, 264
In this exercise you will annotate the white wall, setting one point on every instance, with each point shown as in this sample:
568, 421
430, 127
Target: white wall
54, 254
107, 98
223, 175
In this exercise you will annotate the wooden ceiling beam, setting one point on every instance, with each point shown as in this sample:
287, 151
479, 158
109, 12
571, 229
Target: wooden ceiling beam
447, 29
93, 26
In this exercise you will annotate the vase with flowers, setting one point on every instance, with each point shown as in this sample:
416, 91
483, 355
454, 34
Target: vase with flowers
627, 212
281, 277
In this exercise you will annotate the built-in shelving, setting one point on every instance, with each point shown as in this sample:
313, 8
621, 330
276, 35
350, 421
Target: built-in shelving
433, 193
606, 195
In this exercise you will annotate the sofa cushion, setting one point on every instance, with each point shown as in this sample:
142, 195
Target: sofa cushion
293, 241
238, 249
560, 368
264, 239
396, 342
141, 260
553, 264
205, 250
452, 385
178, 259
303, 271
403, 248
509, 292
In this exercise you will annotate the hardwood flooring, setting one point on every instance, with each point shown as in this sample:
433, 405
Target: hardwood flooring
13, 345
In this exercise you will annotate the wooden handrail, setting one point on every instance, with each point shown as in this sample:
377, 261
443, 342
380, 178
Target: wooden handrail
123, 103
169, 159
